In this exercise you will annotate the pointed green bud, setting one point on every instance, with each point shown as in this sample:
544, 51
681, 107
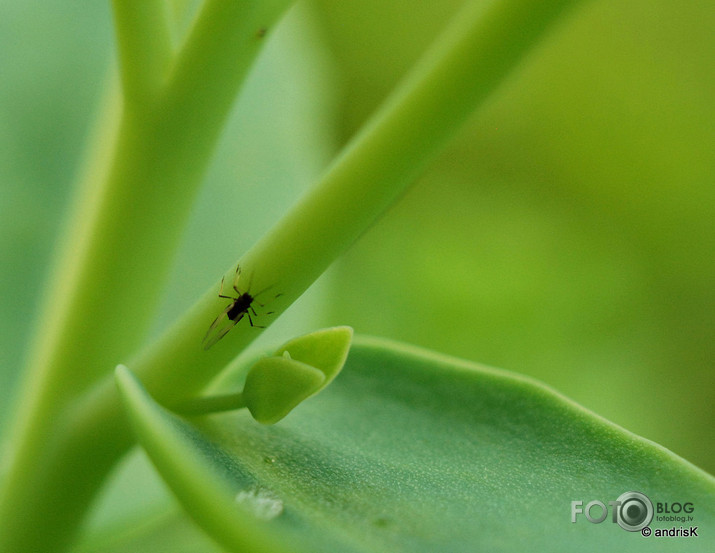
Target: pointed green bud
299, 369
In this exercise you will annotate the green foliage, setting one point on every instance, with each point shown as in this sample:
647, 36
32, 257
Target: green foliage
566, 232
276, 383
299, 369
411, 451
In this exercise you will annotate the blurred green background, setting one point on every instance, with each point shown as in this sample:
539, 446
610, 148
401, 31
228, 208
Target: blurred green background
567, 233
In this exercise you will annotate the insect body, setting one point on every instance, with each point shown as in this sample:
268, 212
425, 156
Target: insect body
241, 305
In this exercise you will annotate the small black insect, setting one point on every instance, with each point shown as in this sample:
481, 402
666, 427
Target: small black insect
241, 304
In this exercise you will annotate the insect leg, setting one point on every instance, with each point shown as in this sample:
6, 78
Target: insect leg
220, 291
251, 320
235, 280
263, 304
264, 290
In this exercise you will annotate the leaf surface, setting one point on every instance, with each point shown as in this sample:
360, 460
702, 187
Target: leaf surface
411, 451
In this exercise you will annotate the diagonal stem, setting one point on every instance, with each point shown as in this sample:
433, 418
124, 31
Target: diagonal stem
144, 46
74, 448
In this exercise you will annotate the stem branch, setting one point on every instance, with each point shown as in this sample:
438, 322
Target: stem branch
144, 45
73, 448
122, 235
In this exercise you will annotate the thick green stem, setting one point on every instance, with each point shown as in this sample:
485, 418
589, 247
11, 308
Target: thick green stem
144, 45
466, 64
122, 236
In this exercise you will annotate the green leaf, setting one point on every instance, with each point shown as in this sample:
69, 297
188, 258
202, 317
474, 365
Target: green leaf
298, 370
325, 349
191, 466
412, 451
275, 385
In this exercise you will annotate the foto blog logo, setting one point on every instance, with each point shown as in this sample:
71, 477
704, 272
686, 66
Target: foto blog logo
632, 511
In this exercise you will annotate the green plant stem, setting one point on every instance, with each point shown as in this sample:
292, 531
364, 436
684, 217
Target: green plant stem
122, 235
466, 64
144, 45
205, 405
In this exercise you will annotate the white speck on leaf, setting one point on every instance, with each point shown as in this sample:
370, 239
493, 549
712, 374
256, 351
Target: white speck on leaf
260, 502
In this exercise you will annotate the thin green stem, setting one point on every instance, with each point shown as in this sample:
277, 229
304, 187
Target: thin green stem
205, 405
226, 34
144, 45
